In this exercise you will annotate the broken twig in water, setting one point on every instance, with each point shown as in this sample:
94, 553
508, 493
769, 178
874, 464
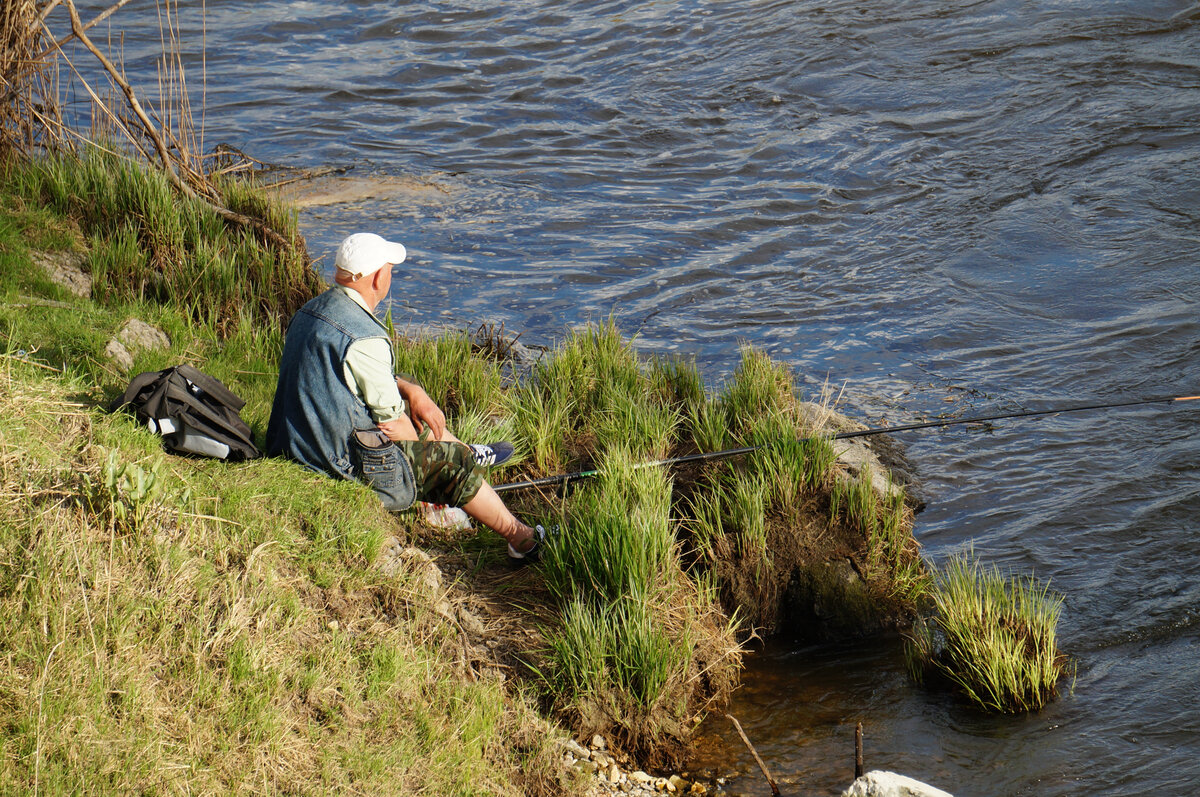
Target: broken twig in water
757, 757
858, 755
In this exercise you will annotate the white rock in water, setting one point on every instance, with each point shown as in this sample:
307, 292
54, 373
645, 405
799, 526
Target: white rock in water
889, 784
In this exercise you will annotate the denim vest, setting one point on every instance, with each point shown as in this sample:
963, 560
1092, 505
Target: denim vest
315, 415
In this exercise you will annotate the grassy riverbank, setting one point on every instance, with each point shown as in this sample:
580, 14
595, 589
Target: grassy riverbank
637, 649
190, 625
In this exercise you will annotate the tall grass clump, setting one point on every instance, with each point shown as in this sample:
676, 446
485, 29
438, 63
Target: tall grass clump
152, 245
448, 369
542, 422
634, 627
592, 394
676, 382
993, 638
885, 522
765, 525
619, 532
760, 388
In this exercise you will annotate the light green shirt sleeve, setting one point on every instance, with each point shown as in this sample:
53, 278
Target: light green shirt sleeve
368, 372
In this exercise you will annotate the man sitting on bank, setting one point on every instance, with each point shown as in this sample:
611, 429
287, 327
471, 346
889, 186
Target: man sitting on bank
339, 409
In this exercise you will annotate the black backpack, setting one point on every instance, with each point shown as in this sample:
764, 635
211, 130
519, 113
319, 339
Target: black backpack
194, 412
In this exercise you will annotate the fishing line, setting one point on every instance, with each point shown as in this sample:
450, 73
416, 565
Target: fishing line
563, 478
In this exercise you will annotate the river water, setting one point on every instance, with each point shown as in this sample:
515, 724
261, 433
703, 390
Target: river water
945, 205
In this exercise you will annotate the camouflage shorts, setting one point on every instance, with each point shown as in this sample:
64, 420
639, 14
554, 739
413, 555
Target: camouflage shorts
445, 473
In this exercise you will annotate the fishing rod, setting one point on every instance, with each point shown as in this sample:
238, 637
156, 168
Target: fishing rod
563, 478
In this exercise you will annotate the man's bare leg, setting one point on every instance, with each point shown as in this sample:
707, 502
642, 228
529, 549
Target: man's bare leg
488, 508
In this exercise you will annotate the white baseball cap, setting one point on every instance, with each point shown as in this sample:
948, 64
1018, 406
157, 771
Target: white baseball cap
365, 253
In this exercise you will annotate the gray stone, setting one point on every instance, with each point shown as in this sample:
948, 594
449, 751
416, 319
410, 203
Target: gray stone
889, 784
577, 750
419, 563
470, 623
137, 334
66, 269
857, 454
119, 355
598, 742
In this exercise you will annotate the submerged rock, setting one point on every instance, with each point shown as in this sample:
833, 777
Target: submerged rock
880, 455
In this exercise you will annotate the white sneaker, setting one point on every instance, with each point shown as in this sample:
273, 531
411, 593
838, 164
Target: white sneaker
441, 516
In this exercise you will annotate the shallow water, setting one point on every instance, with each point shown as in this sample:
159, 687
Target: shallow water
991, 201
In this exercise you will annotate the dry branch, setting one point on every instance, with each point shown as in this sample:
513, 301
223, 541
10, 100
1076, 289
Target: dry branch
148, 127
761, 764
103, 15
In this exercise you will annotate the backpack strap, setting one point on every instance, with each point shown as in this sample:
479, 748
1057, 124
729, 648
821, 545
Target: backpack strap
212, 386
137, 385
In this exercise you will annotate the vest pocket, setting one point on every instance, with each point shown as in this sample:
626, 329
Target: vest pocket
380, 465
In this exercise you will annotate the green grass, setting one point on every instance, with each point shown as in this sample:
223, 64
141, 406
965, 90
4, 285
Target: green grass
620, 533
149, 245
221, 578
165, 625
451, 373
632, 618
760, 388
993, 638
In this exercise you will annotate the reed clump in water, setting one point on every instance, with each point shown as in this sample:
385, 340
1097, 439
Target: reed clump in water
993, 638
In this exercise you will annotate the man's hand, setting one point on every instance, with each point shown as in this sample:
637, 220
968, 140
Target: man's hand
425, 413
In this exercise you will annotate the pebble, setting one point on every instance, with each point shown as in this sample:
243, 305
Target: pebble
577, 750
610, 780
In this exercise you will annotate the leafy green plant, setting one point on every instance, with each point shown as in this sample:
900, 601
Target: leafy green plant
125, 493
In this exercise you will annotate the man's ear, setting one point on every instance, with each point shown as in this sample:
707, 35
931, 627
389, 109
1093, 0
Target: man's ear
377, 279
